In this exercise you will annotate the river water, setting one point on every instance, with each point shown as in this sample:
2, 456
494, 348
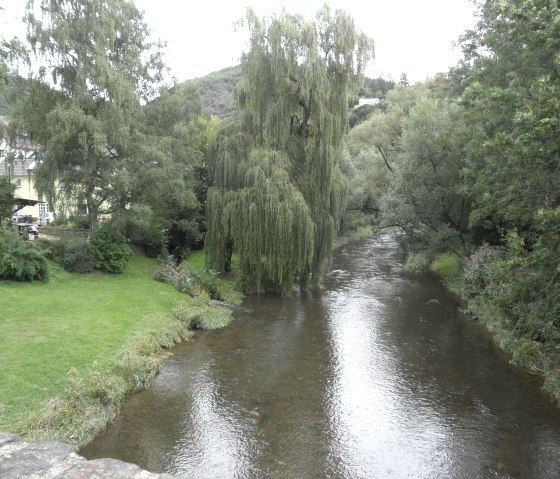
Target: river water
372, 375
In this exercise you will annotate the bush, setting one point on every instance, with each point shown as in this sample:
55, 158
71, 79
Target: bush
20, 260
527, 354
152, 240
207, 280
80, 221
479, 270
168, 272
110, 251
77, 256
447, 265
23, 264
197, 282
53, 250
417, 263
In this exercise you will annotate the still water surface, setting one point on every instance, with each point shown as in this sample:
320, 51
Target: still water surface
372, 375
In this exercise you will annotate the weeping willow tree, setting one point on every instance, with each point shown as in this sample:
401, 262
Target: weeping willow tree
278, 193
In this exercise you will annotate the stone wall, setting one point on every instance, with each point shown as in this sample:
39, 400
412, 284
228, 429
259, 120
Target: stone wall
55, 460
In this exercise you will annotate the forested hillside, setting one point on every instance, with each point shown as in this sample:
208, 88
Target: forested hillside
217, 91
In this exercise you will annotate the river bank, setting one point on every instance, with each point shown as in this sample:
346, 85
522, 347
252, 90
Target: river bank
373, 373
538, 358
74, 347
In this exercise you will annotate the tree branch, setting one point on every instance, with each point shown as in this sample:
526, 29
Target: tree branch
385, 159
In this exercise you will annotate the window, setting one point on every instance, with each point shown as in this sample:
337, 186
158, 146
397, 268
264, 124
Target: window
18, 183
2, 153
43, 208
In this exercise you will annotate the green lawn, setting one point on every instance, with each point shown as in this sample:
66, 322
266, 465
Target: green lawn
70, 321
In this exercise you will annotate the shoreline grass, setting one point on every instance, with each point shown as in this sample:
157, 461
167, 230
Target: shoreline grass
73, 347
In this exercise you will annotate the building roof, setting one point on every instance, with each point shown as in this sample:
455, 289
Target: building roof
24, 151
20, 167
22, 141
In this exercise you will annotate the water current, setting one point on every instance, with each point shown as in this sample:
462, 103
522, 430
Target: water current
371, 375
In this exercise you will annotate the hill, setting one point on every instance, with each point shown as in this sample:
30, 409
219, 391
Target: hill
216, 91
217, 97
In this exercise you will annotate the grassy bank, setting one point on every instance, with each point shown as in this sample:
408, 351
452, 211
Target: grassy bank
539, 358
354, 235
73, 347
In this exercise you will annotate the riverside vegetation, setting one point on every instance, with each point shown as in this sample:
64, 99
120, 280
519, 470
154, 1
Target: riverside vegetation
464, 166
73, 347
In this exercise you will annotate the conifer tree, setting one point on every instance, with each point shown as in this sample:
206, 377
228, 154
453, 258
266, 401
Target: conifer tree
278, 192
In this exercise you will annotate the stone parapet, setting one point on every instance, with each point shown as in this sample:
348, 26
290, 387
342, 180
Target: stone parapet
55, 460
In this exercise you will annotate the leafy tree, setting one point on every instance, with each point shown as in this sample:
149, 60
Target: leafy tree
513, 170
101, 64
278, 191
425, 198
173, 180
372, 149
376, 87
512, 97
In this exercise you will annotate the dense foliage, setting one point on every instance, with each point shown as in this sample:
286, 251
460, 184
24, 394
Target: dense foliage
466, 165
6, 197
472, 163
20, 260
110, 250
512, 96
87, 122
116, 142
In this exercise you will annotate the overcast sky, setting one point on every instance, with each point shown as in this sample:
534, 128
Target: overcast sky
411, 36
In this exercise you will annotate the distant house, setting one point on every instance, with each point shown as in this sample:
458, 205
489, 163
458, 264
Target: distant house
18, 160
369, 101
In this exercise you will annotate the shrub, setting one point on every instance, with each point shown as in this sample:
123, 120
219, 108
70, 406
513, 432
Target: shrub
20, 260
52, 249
527, 354
152, 240
77, 256
168, 272
150, 236
23, 264
110, 251
417, 263
80, 221
447, 265
208, 281
479, 270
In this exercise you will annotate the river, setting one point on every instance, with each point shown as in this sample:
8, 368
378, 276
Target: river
371, 375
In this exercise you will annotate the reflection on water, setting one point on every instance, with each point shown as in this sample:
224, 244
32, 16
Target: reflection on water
372, 375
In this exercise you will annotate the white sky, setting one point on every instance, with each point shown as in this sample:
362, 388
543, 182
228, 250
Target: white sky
411, 36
